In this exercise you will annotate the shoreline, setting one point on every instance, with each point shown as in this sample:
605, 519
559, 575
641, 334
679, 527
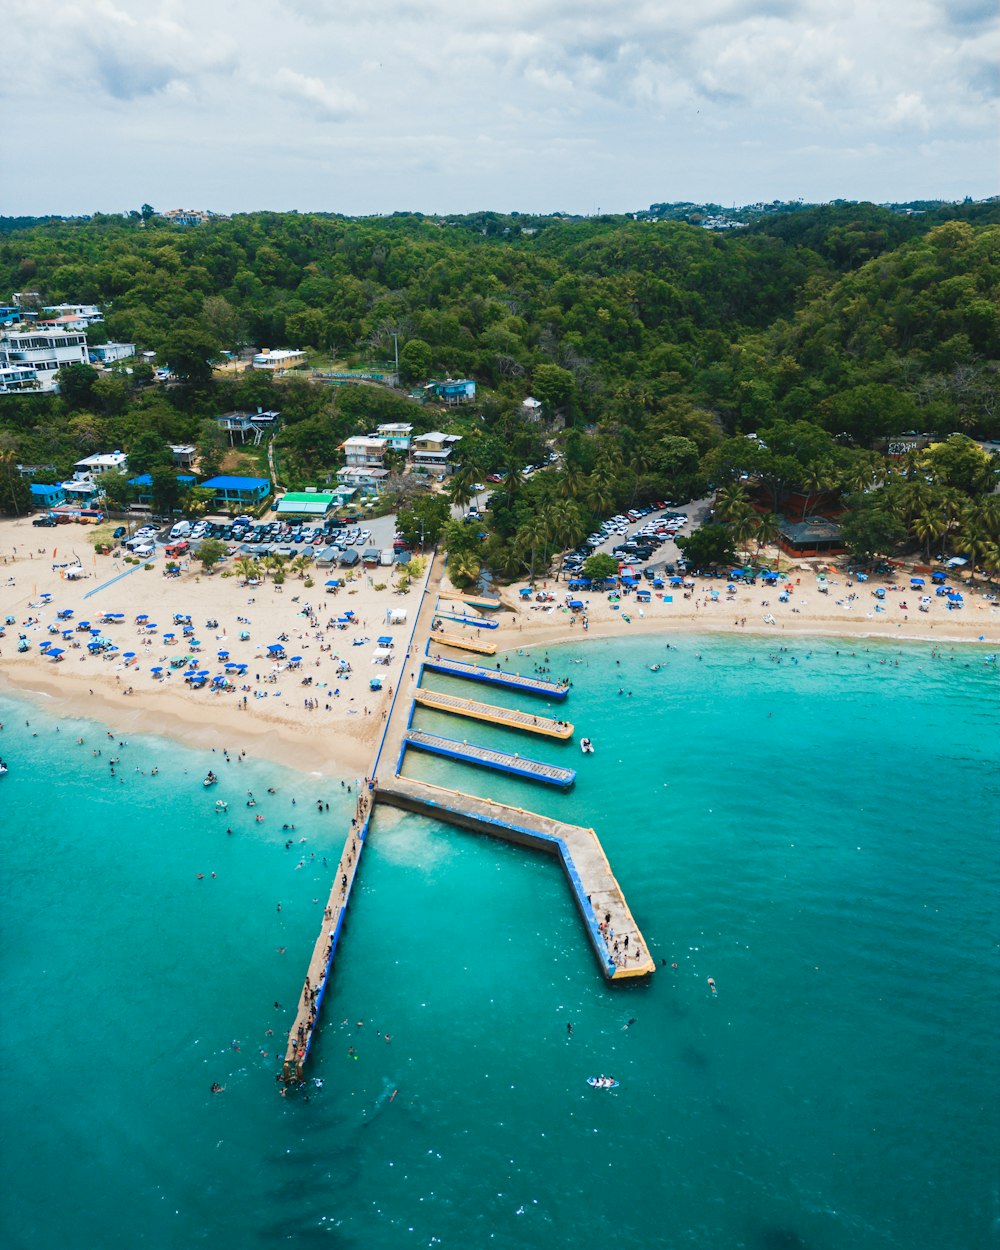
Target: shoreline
316, 712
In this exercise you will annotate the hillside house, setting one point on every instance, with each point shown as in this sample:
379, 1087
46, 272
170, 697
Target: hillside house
431, 452
396, 434
364, 451
453, 391
279, 361
43, 351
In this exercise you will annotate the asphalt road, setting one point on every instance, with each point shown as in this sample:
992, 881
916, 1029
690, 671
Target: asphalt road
697, 511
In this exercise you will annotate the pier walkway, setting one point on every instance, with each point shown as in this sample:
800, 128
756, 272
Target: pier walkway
485, 757
491, 677
614, 935
509, 718
611, 929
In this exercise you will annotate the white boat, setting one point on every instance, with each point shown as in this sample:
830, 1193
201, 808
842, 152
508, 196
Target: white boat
3, 769
210, 780
586, 746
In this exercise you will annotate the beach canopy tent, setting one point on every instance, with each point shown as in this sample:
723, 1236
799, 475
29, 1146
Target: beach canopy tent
957, 562
955, 597
917, 581
677, 581
861, 577
770, 577
276, 649
55, 652
334, 581
382, 653
630, 581
575, 604
395, 616
385, 641
939, 576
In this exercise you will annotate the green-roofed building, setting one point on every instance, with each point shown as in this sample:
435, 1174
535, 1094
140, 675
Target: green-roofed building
308, 503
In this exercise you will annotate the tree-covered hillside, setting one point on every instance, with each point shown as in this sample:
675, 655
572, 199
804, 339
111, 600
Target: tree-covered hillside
649, 343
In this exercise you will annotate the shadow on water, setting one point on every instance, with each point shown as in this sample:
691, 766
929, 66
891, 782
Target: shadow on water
780, 1239
694, 1058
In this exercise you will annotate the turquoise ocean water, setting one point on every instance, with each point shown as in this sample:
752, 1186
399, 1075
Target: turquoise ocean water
816, 831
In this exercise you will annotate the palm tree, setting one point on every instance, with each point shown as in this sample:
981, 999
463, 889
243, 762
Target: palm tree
973, 540
600, 494
572, 482
743, 526
927, 526
530, 537
247, 568
459, 492
274, 563
767, 532
816, 479
300, 564
513, 479
730, 499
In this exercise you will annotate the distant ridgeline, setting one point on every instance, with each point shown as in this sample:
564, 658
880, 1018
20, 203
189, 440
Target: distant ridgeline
617, 360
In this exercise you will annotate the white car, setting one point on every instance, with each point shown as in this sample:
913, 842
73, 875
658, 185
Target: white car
364, 537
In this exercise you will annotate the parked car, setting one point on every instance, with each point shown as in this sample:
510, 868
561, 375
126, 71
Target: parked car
45, 522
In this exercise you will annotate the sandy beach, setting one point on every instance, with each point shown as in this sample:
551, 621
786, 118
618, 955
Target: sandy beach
311, 718
328, 725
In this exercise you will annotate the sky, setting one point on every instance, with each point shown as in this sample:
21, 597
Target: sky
449, 106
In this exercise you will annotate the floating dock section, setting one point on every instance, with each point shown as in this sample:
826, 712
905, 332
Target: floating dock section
477, 622
465, 644
485, 757
497, 677
620, 948
509, 718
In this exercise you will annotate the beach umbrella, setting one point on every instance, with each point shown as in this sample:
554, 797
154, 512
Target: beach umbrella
677, 581
223, 655
917, 581
296, 659
128, 655
169, 637
93, 646
157, 669
955, 597
141, 618
730, 586
54, 653
334, 581
385, 641
67, 633
861, 577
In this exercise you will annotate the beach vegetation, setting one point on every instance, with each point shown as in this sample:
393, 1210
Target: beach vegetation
600, 566
710, 547
209, 552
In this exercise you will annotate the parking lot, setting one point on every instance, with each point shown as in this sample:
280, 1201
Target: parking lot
665, 550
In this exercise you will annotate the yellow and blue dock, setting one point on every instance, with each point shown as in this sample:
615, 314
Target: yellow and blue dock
498, 677
508, 718
499, 761
465, 644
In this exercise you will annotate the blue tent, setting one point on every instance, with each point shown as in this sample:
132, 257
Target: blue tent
575, 603
917, 581
276, 649
677, 581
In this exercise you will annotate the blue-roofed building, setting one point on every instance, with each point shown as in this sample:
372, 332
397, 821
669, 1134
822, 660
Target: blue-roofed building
143, 485
245, 491
47, 496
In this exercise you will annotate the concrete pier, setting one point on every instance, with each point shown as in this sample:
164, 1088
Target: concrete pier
614, 935
618, 944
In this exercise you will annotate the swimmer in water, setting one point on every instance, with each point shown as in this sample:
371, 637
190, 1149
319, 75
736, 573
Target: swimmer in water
217, 1088
711, 984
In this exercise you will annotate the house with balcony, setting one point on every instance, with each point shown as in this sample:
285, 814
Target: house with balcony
397, 435
279, 361
182, 454
242, 492
103, 462
431, 453
43, 351
452, 391
17, 378
81, 315
364, 451
255, 424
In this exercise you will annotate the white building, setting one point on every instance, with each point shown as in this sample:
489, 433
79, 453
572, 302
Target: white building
15, 378
107, 462
44, 351
364, 451
87, 314
106, 353
279, 361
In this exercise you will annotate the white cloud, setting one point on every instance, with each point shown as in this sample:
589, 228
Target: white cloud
665, 95
324, 100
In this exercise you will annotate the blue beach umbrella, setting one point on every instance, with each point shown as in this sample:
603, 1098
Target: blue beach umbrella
917, 581
128, 655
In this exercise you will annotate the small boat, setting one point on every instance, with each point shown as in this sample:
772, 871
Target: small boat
210, 780
3, 769
586, 746
602, 1082
654, 668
